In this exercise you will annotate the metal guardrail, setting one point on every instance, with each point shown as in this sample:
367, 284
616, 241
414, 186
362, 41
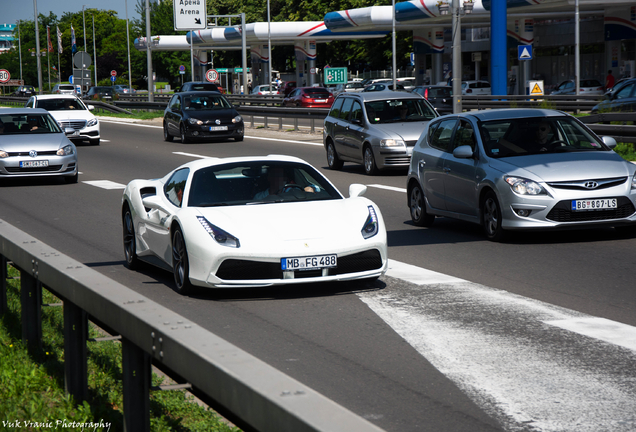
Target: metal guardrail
252, 394
266, 107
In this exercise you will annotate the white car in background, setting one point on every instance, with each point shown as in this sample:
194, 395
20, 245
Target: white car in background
70, 112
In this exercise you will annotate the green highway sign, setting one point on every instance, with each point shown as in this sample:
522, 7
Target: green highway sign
336, 75
222, 70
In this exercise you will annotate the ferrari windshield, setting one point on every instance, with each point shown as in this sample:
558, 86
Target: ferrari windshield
258, 182
520, 137
28, 124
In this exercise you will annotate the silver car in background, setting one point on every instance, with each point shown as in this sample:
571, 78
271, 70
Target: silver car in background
520, 169
32, 144
375, 129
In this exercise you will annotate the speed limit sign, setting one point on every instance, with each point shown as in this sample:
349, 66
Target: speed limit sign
212, 75
4, 75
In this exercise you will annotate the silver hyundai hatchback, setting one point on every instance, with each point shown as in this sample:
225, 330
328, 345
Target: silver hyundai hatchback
520, 169
375, 129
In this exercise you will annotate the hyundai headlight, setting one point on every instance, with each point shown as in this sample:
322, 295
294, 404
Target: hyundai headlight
524, 186
391, 143
91, 122
195, 121
222, 237
237, 119
370, 227
65, 151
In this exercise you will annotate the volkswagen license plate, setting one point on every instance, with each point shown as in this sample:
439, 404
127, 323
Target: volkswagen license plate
594, 204
218, 128
309, 262
34, 164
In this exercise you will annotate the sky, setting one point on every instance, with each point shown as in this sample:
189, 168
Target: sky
12, 10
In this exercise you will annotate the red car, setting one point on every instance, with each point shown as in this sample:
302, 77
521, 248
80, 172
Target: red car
309, 97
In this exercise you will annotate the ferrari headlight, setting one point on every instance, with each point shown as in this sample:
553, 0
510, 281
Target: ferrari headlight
91, 122
391, 143
64, 151
370, 227
524, 186
222, 237
195, 121
237, 119
3, 154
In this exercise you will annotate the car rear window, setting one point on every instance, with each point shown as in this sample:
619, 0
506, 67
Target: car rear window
439, 92
66, 87
320, 91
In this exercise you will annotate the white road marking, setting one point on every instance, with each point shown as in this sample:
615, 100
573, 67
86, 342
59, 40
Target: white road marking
391, 188
600, 328
417, 275
191, 155
105, 184
511, 355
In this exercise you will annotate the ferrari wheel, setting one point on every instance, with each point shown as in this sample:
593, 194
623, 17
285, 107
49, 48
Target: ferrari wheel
130, 244
180, 264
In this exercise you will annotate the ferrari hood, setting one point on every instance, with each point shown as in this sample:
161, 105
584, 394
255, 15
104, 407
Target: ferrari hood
270, 224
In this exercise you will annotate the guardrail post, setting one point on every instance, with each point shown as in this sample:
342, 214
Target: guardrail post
136, 366
252, 122
3, 284
31, 299
265, 124
280, 123
313, 126
75, 359
295, 124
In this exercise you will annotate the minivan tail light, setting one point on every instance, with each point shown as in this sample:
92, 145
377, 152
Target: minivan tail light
426, 94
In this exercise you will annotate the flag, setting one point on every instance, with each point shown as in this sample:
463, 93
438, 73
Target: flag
48, 38
73, 43
59, 40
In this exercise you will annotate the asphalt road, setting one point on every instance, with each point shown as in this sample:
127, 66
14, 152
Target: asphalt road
484, 345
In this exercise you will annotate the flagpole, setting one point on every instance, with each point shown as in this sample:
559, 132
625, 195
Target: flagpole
48, 53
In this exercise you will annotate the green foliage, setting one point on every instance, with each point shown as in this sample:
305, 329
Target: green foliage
626, 150
110, 41
32, 384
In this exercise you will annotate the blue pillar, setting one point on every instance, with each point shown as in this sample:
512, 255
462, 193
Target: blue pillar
498, 48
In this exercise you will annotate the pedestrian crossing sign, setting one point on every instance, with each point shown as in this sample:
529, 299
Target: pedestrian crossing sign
525, 52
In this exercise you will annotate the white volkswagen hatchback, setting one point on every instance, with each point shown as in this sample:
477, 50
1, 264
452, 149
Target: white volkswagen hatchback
70, 112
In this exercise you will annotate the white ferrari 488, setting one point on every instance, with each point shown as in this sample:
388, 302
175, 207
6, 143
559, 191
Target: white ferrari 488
252, 222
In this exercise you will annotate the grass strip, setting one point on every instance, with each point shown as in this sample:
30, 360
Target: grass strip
32, 396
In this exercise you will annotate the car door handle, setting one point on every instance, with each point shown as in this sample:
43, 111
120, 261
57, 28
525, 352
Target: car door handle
446, 169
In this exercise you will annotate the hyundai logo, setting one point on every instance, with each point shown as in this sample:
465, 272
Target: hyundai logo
33, 153
590, 185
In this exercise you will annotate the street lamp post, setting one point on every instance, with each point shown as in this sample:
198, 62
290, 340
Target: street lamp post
269, 50
37, 45
128, 46
94, 50
456, 78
